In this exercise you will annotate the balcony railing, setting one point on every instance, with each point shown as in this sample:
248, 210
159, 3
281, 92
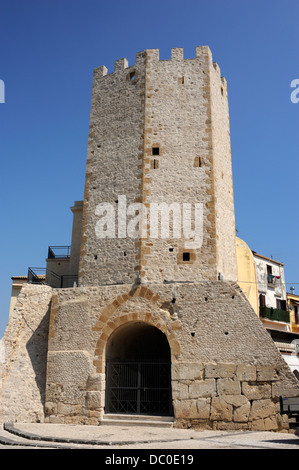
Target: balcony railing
275, 314
59, 252
49, 278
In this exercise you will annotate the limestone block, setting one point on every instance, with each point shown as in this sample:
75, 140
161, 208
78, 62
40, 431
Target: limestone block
271, 424
246, 372
221, 410
185, 408
180, 391
202, 388
94, 400
258, 425
266, 373
241, 414
203, 408
256, 391
262, 409
284, 388
68, 410
220, 370
187, 371
228, 387
96, 383
235, 400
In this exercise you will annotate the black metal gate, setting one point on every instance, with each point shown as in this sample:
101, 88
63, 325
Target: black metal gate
138, 388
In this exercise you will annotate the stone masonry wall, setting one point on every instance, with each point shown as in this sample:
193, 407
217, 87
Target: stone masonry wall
222, 174
113, 169
227, 396
226, 371
24, 355
159, 134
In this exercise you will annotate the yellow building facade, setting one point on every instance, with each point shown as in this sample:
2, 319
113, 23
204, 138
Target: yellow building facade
247, 273
293, 303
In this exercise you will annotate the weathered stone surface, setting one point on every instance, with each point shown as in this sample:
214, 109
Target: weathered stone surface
202, 388
24, 355
94, 400
262, 409
271, 424
72, 373
180, 391
266, 373
187, 371
129, 118
220, 370
256, 391
203, 408
241, 414
185, 409
96, 382
246, 372
221, 410
228, 387
50, 408
258, 425
235, 400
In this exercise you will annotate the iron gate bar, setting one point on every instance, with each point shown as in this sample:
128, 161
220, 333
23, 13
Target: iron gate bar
139, 387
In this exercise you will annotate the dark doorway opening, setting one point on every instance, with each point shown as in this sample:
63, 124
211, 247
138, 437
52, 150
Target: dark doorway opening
138, 371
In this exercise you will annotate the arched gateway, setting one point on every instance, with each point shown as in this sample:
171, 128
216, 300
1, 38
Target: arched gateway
138, 371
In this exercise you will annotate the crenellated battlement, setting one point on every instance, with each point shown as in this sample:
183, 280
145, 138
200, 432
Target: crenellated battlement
202, 53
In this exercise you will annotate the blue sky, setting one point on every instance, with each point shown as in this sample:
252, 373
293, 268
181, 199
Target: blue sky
48, 50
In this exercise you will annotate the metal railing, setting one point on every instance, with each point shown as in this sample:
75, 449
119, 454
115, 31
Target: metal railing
49, 278
36, 276
59, 252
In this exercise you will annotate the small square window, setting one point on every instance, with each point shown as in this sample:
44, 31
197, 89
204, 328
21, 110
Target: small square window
156, 151
186, 256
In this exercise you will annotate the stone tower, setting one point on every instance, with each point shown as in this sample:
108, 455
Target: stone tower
158, 154
158, 324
